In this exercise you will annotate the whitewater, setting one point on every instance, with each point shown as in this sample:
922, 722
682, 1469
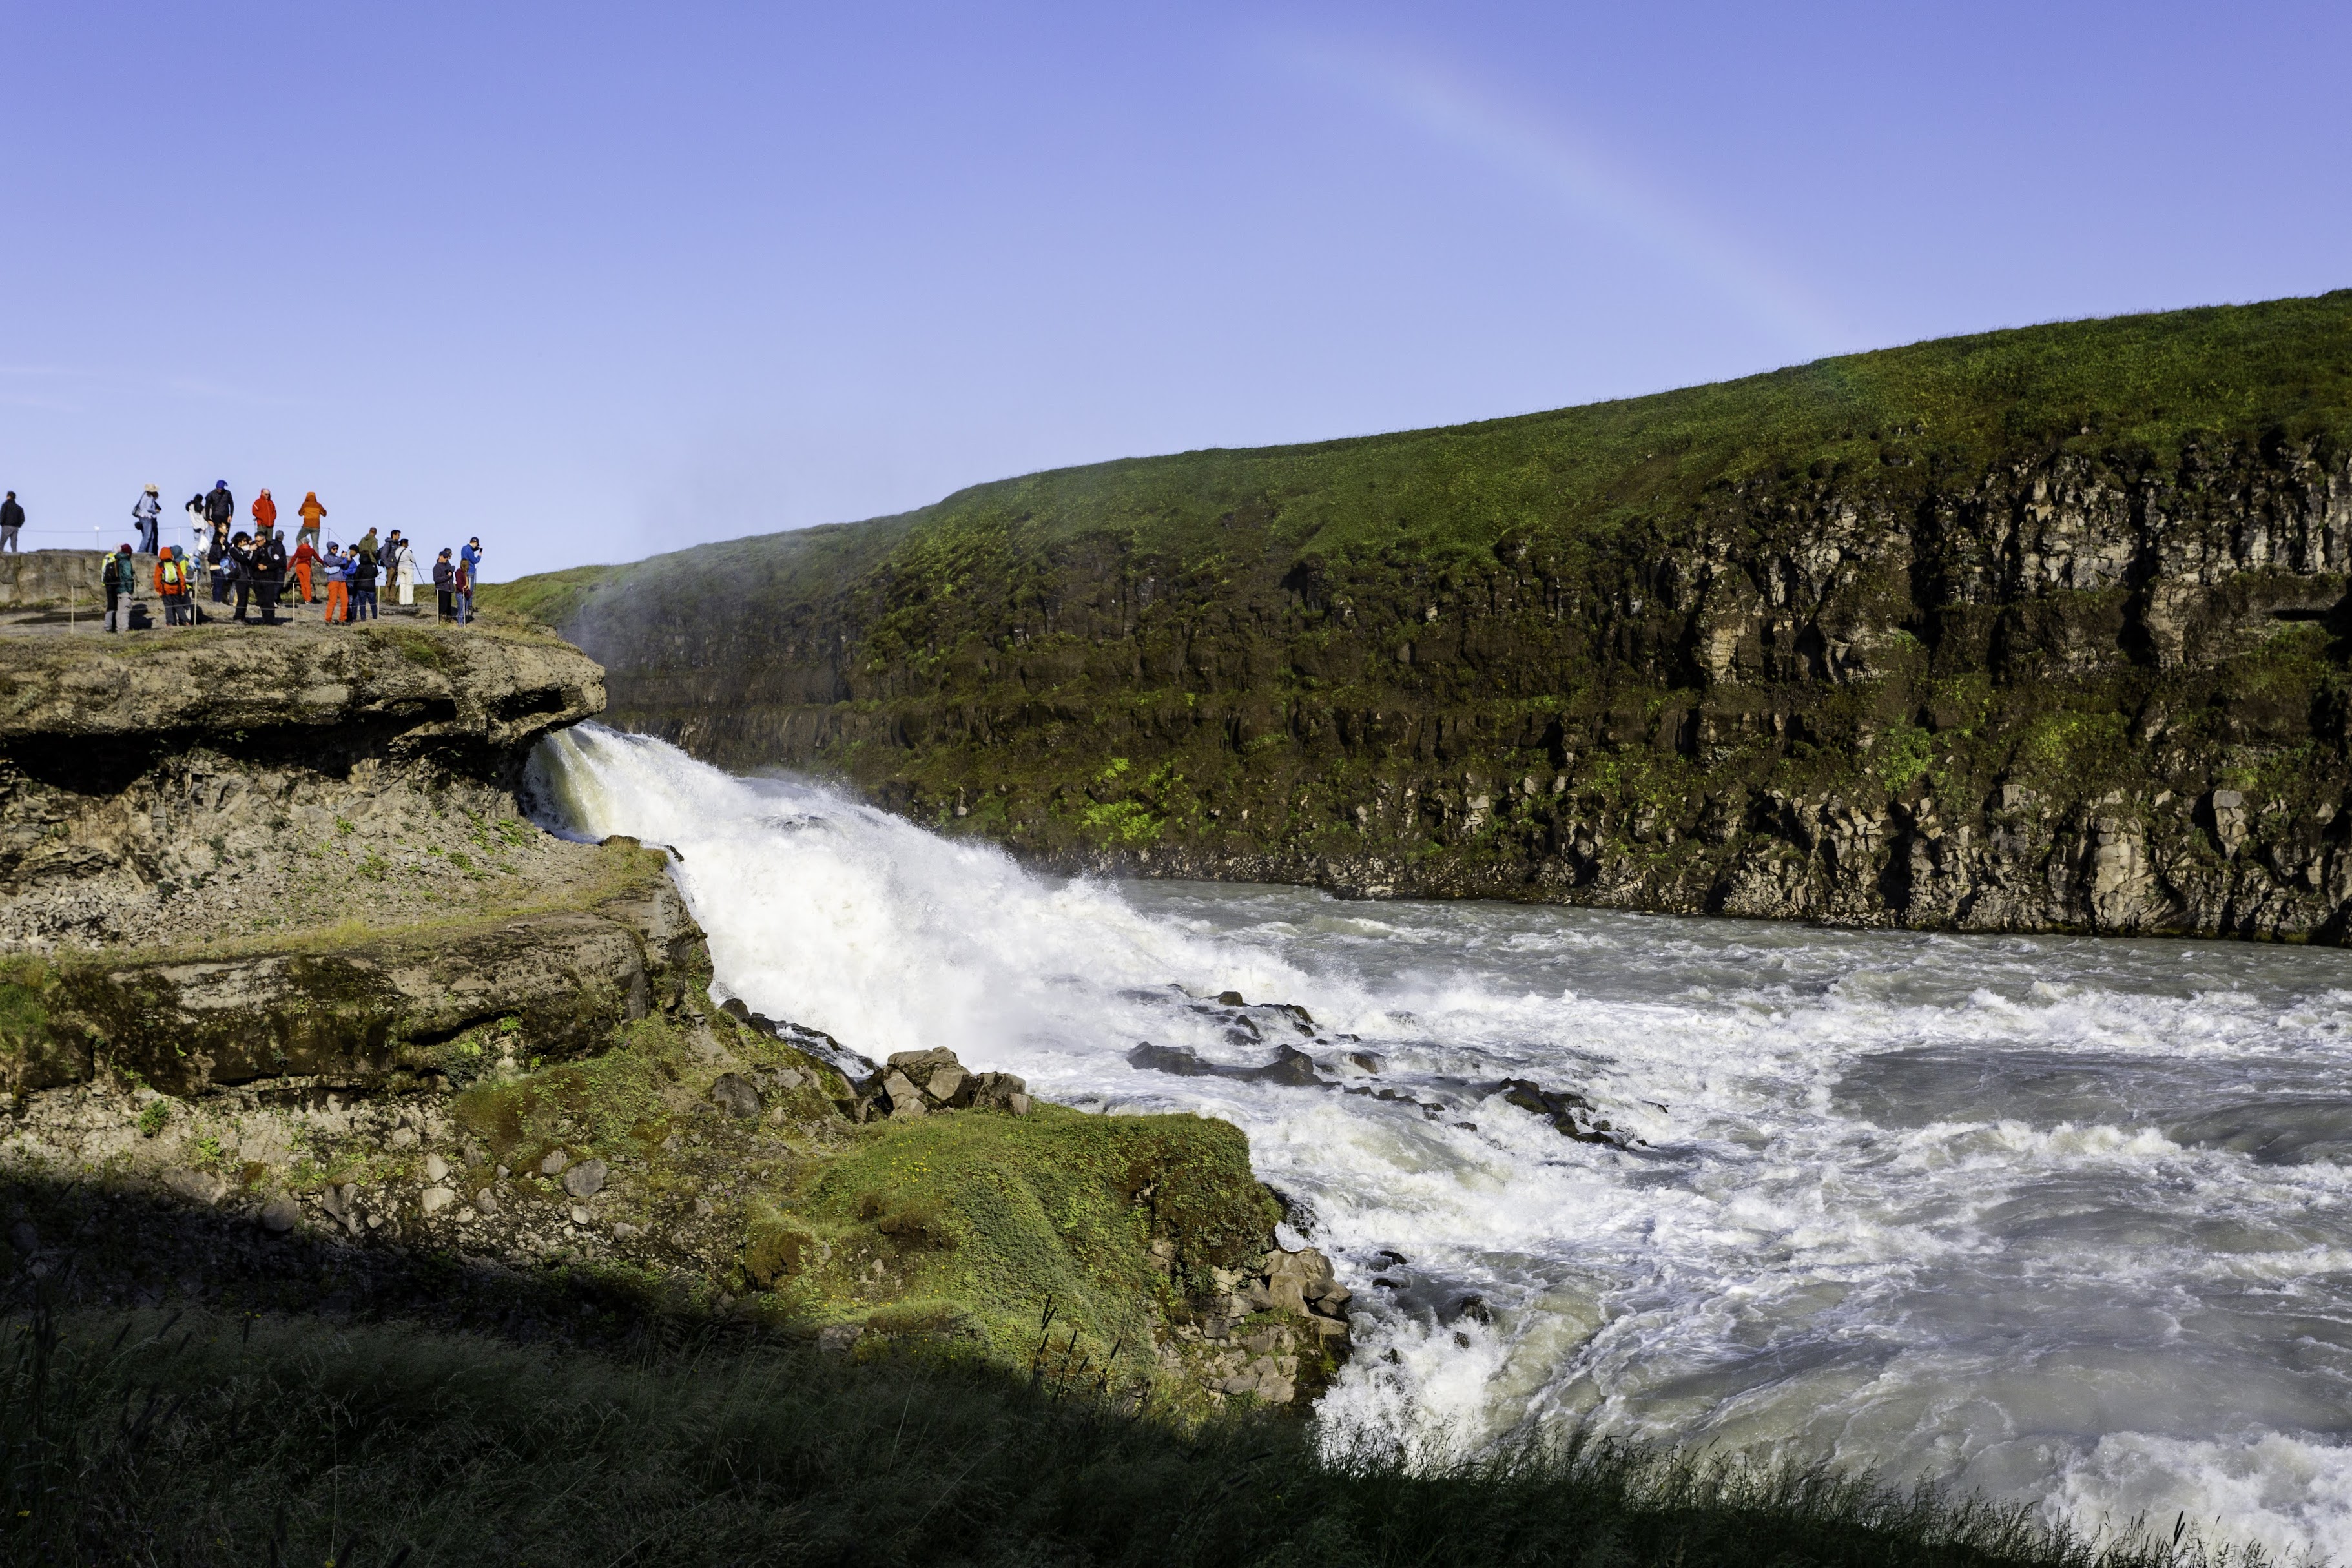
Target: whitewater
2064, 1220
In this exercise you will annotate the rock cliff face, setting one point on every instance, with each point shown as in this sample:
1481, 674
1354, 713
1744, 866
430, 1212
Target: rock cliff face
2040, 631
296, 1007
260, 855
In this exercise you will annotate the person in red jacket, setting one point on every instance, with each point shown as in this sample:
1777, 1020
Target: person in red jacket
265, 512
305, 558
172, 586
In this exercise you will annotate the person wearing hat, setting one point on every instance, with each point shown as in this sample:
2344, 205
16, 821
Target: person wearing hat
119, 576
145, 513
12, 518
220, 512
200, 530
172, 587
240, 573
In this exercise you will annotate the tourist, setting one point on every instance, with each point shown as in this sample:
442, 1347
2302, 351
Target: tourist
172, 586
119, 576
239, 567
444, 584
147, 512
12, 518
310, 513
400, 560
364, 568
199, 530
265, 515
268, 573
304, 559
339, 599
470, 571
220, 512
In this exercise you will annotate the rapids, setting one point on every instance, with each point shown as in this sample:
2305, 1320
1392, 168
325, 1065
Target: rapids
2061, 1219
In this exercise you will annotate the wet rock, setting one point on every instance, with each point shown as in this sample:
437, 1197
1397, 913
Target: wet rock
1290, 1066
1570, 1113
586, 1179
736, 1095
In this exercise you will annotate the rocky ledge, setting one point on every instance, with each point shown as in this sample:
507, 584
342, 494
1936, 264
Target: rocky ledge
299, 1008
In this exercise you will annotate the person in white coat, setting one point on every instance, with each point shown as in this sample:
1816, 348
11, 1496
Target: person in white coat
200, 531
400, 565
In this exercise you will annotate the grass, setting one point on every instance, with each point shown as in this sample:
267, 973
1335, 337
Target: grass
2137, 389
204, 1439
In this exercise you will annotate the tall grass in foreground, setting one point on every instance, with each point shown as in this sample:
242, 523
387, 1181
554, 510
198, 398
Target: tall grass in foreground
200, 1439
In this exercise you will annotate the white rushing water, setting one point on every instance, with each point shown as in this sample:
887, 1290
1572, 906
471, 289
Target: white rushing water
2058, 1219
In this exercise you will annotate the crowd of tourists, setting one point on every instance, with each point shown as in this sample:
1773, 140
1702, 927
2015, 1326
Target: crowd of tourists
255, 567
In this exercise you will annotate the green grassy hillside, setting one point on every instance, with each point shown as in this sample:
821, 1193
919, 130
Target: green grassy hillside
1477, 659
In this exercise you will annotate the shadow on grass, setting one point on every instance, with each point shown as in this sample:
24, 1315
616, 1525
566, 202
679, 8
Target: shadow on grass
218, 1433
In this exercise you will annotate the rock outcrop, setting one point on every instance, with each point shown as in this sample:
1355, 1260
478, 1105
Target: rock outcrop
2042, 630
298, 1007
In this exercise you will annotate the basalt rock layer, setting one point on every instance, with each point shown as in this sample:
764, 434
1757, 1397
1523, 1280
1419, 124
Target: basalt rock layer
299, 1007
2037, 630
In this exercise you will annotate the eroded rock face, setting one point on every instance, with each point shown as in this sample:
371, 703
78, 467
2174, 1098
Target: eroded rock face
138, 771
296, 853
2064, 683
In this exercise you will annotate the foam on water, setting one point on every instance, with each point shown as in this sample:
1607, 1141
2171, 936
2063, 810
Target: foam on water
2063, 1220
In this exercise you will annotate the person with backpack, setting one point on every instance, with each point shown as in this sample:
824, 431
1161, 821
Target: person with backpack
172, 587
469, 571
365, 567
12, 518
115, 575
146, 513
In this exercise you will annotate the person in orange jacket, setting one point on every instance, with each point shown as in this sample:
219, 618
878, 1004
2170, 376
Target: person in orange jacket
311, 512
305, 558
172, 586
265, 512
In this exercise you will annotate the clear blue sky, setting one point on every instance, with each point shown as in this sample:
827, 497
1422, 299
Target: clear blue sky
595, 281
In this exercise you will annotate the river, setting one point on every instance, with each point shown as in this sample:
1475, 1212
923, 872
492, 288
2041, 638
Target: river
2062, 1219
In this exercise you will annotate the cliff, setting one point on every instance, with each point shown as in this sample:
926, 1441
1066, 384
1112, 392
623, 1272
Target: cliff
2034, 630
299, 1006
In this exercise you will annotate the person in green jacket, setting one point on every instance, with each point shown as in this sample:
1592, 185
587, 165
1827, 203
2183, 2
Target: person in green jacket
119, 576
